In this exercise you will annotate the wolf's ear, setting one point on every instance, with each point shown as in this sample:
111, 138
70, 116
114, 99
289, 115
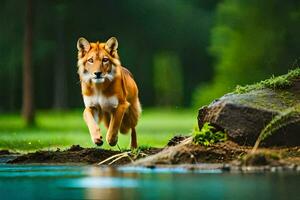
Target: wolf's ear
111, 45
83, 45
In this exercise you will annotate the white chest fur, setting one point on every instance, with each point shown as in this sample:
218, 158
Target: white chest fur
106, 103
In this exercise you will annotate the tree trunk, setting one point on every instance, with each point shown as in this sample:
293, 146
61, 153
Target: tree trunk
28, 99
60, 83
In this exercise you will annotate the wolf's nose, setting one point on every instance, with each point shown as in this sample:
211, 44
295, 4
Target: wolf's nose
98, 74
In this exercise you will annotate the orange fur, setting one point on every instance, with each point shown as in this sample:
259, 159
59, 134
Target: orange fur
109, 91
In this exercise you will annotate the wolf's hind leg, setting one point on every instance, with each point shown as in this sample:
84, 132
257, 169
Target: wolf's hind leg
133, 138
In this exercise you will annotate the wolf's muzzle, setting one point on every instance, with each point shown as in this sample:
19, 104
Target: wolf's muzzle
98, 75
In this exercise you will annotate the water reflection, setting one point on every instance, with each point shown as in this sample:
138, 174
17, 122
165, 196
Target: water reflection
86, 182
107, 183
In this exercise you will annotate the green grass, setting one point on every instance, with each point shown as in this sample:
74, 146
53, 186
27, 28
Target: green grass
63, 129
279, 82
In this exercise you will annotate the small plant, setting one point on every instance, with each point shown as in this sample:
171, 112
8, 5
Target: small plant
143, 147
208, 135
285, 118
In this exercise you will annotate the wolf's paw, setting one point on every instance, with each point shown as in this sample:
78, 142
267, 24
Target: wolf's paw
98, 141
112, 141
96, 137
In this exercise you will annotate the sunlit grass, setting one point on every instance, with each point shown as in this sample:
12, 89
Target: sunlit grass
63, 129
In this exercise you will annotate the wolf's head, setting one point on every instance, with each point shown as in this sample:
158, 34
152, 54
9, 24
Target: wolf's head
97, 62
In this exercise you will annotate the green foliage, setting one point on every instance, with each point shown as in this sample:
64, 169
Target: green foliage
251, 39
207, 135
205, 94
168, 80
279, 82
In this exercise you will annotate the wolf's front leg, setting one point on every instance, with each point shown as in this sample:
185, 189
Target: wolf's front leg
115, 122
88, 115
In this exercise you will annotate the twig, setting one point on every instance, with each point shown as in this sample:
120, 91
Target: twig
130, 157
112, 157
125, 155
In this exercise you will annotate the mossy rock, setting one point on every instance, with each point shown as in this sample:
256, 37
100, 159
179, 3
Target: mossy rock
244, 115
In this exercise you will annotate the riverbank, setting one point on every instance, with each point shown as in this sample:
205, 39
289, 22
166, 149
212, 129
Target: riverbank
225, 156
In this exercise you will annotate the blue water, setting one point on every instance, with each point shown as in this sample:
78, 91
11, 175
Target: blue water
88, 182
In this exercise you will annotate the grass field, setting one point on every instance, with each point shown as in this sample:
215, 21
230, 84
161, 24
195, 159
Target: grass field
63, 129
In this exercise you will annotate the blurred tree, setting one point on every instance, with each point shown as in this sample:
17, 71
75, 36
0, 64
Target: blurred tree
143, 28
168, 80
60, 72
251, 40
11, 51
28, 95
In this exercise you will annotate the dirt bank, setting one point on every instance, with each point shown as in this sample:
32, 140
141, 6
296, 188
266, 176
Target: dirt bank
76, 155
179, 151
226, 152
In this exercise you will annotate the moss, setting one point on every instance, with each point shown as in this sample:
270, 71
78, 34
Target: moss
267, 99
289, 99
279, 82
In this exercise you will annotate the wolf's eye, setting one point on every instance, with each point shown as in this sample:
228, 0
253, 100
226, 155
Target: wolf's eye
90, 60
105, 60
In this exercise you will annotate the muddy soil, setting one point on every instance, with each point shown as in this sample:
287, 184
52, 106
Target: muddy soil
4, 152
76, 154
188, 153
